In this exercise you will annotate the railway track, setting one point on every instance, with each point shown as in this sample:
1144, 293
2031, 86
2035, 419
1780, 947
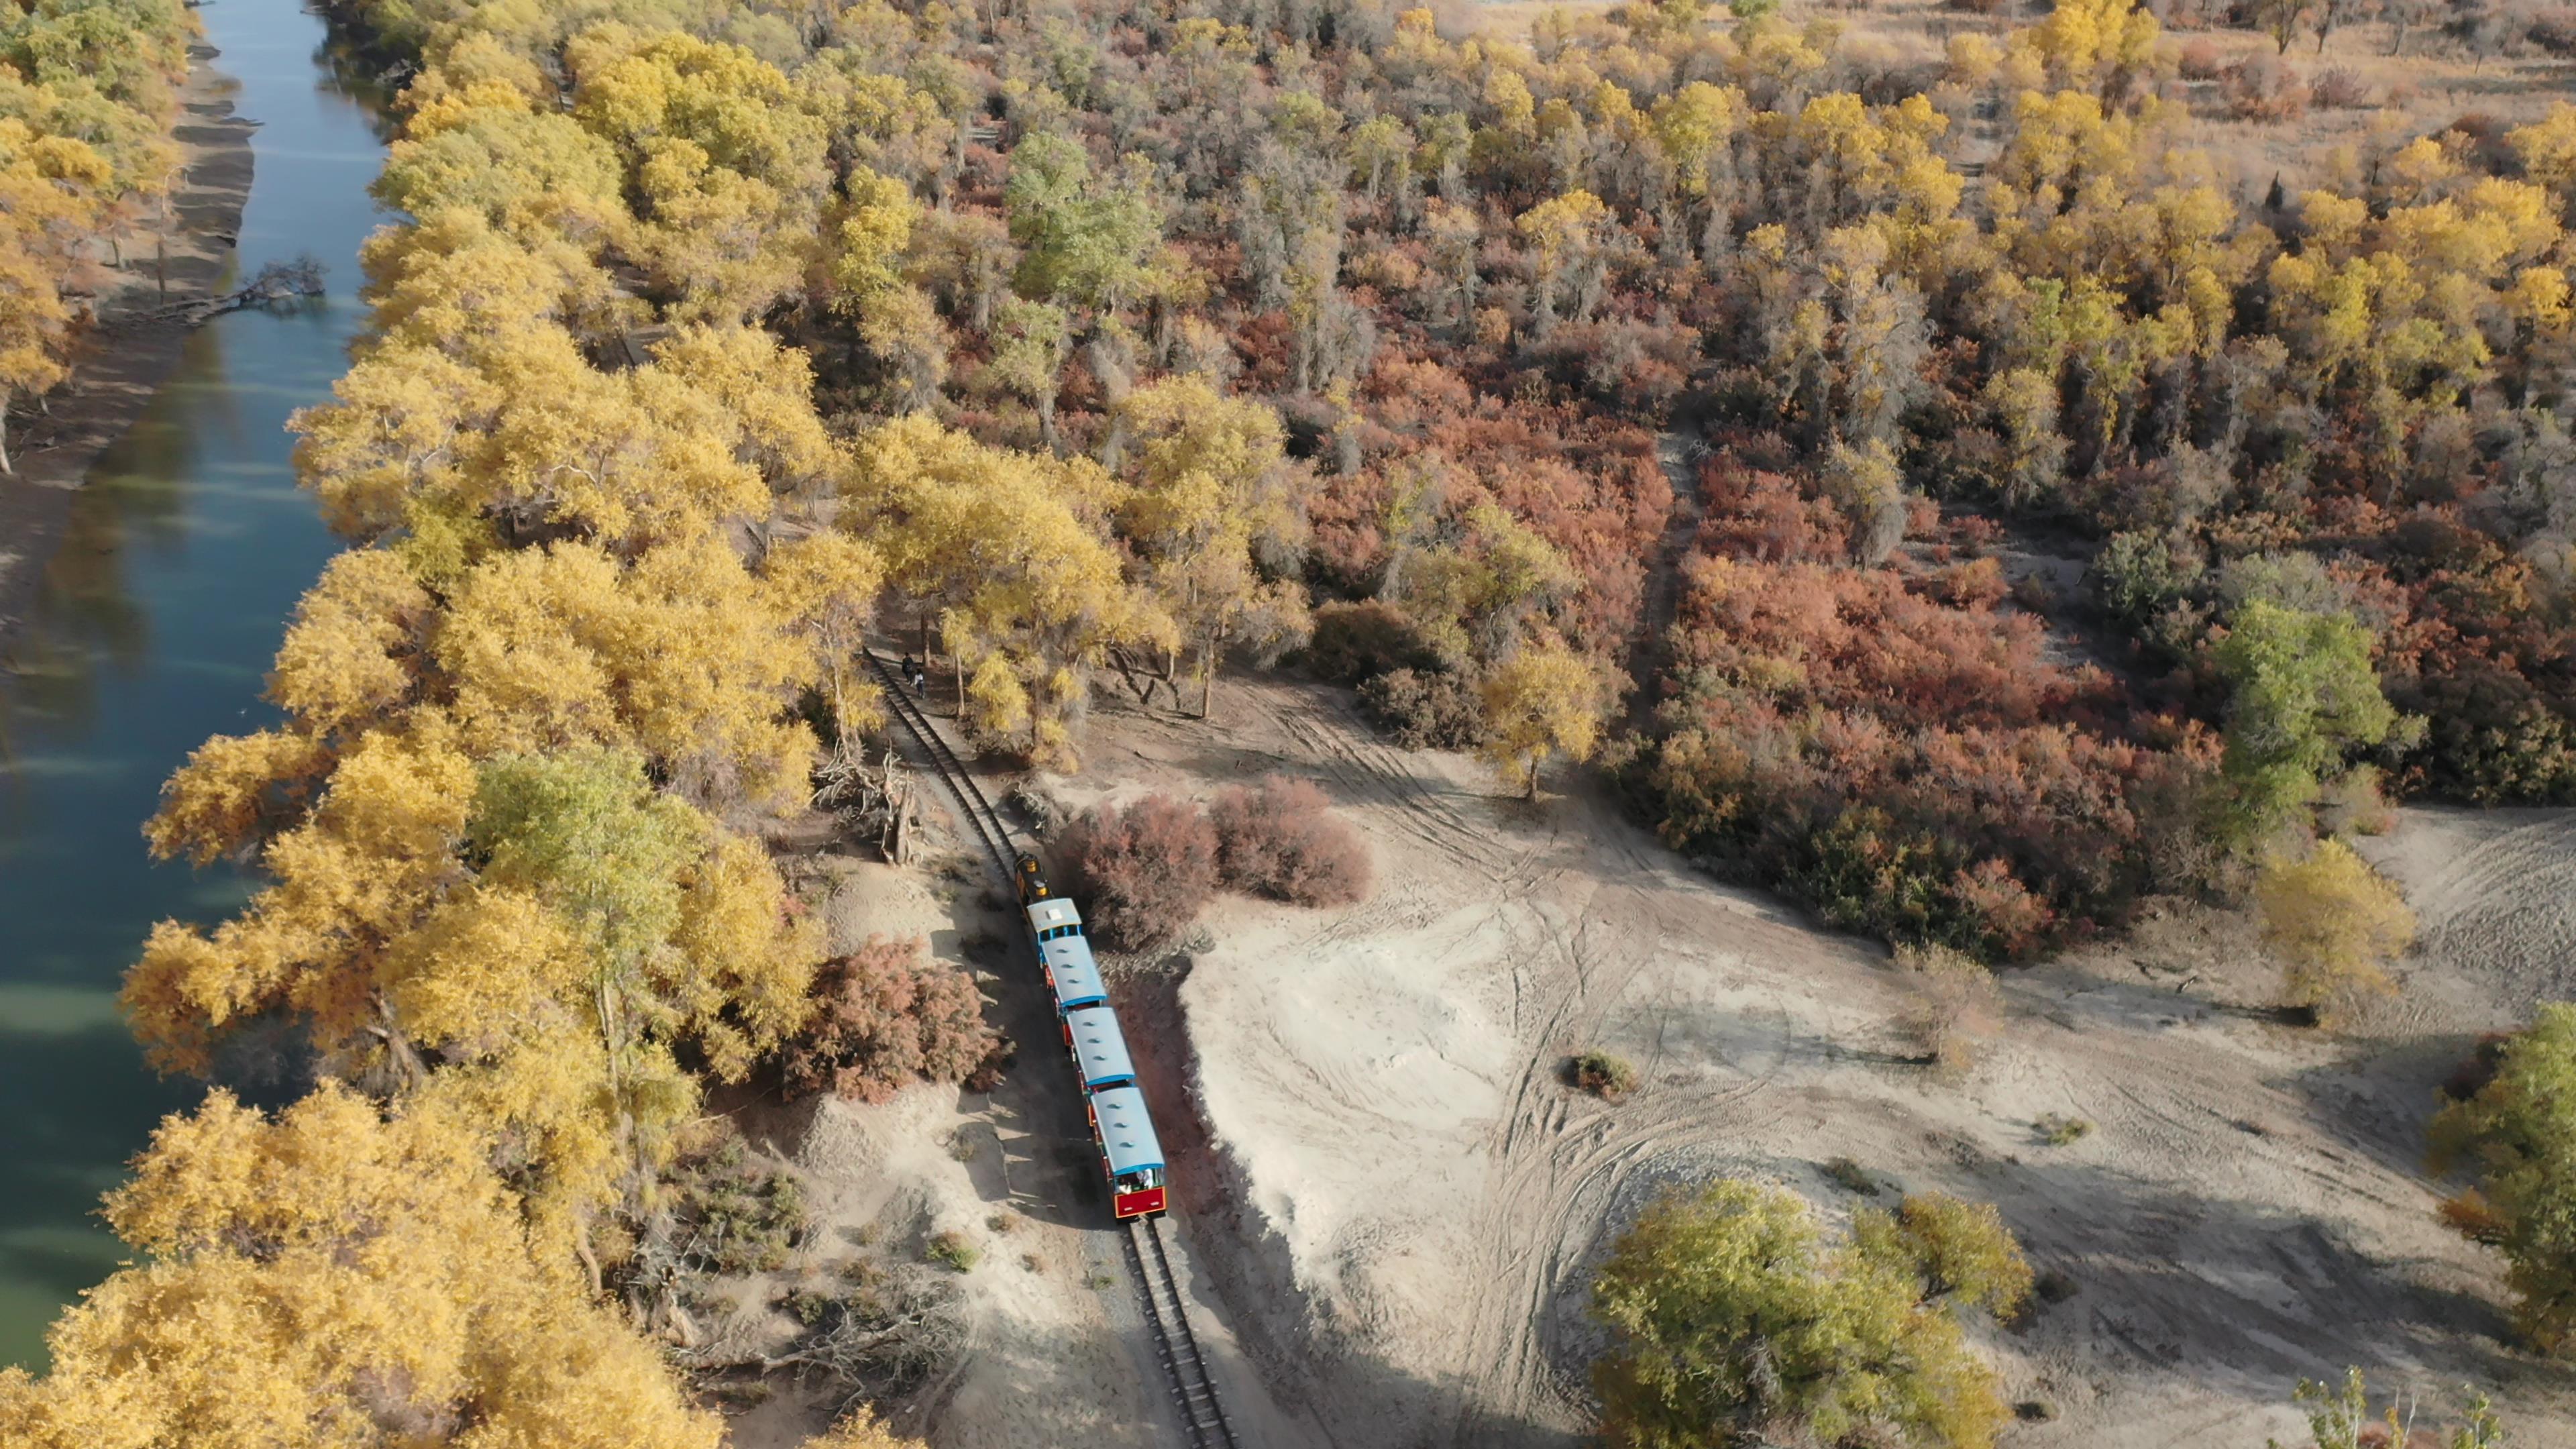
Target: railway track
1193, 1390
987, 821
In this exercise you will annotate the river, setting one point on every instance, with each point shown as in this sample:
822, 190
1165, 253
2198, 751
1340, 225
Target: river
157, 621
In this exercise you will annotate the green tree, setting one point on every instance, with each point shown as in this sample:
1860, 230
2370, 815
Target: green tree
1030, 340
2304, 696
1732, 1315
1087, 237
2517, 1138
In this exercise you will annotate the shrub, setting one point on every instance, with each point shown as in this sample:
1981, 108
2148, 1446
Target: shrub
952, 1248
1916, 770
2468, 1213
1146, 870
1954, 1006
1353, 642
1850, 1176
1282, 840
1978, 583
2201, 60
1732, 1316
2334, 923
1603, 1075
1961, 1251
1426, 709
2262, 88
2060, 1131
889, 1015
2337, 88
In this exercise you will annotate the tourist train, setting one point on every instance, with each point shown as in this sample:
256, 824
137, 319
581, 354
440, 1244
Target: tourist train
1130, 1154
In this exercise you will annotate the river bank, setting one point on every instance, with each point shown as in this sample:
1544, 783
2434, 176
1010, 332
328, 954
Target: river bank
132, 354
148, 619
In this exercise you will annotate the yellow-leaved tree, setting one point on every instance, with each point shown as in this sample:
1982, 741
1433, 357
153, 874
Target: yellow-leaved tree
546, 929
1217, 514
1010, 550
1543, 700
2335, 924
333, 1277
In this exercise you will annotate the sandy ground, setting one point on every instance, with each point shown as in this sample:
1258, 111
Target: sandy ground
126, 360
1390, 1203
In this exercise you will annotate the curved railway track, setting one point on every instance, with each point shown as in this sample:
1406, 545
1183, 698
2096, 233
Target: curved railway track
1184, 1367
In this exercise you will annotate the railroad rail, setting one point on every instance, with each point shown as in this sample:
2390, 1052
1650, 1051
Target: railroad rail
1193, 1391
1177, 1347
989, 826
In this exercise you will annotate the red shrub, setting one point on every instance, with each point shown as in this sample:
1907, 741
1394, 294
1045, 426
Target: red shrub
1917, 769
1759, 515
1283, 840
889, 1016
2201, 60
1145, 871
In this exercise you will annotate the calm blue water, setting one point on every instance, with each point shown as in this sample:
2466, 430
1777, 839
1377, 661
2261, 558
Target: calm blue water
157, 623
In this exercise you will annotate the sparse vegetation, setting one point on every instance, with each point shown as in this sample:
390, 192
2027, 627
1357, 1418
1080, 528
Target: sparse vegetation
2062, 1131
2339, 1417
954, 1249
1955, 1006
1604, 1075
862, 1430
734, 1214
886, 1331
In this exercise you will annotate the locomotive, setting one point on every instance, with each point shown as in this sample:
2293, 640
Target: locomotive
1121, 1128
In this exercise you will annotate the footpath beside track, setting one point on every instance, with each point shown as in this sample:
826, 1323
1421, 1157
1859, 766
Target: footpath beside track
1158, 1290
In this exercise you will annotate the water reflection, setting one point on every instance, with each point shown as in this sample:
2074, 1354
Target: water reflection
154, 628
130, 515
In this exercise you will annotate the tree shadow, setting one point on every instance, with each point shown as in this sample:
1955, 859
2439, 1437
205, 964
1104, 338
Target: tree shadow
2225, 1290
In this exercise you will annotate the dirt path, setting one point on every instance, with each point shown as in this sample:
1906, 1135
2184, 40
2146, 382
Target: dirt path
1679, 452
126, 360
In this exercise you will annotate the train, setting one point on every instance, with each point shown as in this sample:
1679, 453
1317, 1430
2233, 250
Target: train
1131, 1155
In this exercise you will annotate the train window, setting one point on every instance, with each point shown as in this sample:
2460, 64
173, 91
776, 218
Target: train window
1144, 1181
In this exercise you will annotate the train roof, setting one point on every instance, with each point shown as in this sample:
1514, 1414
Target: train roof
1126, 1133
1076, 975
1052, 912
1100, 1048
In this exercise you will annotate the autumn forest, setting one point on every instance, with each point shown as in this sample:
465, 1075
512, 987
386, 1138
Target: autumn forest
1664, 393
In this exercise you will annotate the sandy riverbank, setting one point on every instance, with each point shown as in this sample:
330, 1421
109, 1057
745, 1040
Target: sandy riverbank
127, 359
